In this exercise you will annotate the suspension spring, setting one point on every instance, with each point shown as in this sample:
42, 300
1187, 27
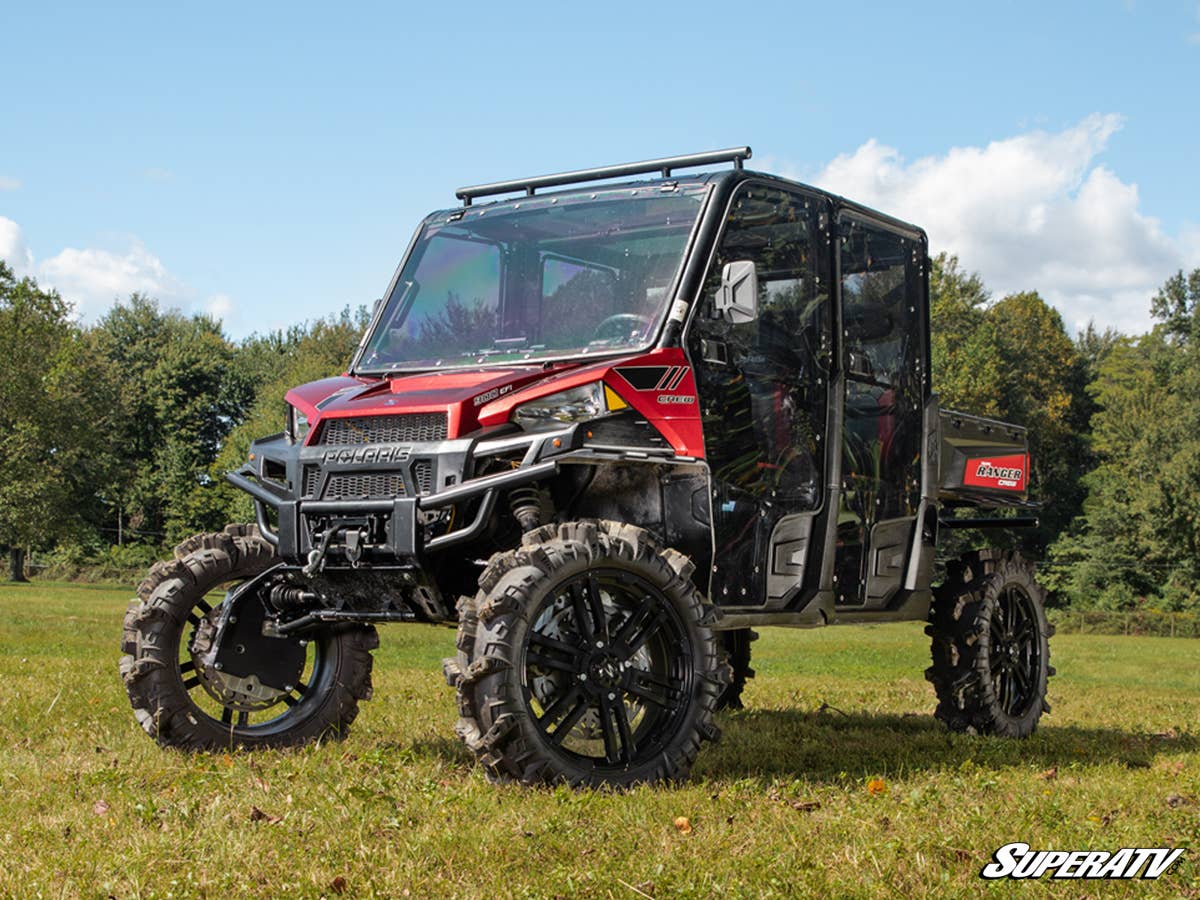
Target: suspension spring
526, 505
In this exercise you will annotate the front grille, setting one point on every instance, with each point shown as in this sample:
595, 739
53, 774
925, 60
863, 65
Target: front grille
422, 473
400, 428
354, 486
344, 485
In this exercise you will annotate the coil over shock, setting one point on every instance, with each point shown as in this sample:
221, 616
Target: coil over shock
526, 506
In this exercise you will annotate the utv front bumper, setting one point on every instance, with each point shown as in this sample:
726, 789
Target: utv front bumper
407, 499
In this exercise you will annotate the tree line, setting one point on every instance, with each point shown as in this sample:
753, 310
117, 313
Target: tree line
115, 435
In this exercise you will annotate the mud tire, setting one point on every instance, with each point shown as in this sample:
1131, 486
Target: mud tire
495, 719
736, 644
156, 622
969, 670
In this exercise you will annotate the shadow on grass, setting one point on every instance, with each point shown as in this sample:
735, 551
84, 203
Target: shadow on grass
830, 745
449, 750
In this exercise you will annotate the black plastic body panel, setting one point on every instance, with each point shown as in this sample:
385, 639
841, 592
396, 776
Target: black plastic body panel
982, 462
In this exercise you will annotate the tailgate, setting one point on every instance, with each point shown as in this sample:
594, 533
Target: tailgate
984, 462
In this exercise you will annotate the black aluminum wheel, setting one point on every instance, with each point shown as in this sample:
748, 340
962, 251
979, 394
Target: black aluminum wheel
182, 703
603, 676
1015, 650
990, 646
584, 659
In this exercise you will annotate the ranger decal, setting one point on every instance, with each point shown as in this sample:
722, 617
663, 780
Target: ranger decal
1004, 472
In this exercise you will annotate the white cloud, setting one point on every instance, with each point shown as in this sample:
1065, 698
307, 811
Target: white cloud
8, 183
12, 248
93, 279
1030, 212
219, 306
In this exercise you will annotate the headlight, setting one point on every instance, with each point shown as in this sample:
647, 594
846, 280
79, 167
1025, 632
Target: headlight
576, 404
297, 425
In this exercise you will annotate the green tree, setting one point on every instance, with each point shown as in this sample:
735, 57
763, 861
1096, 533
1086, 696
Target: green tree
1139, 535
967, 367
56, 420
179, 398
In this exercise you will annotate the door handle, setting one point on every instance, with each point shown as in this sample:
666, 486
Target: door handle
714, 352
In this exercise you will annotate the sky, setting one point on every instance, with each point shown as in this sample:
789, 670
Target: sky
267, 163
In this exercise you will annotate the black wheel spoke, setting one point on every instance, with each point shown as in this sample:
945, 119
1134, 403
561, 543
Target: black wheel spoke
1024, 633
622, 717
583, 620
649, 696
614, 752
663, 681
562, 703
549, 662
640, 637
537, 639
661, 698
290, 699
193, 619
572, 719
227, 716
634, 622
186, 666
301, 688
189, 683
1021, 675
203, 606
596, 604
243, 719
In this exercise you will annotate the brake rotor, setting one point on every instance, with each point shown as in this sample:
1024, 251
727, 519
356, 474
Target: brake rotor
244, 694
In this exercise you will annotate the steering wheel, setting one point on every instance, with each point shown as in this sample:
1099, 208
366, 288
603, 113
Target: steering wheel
620, 327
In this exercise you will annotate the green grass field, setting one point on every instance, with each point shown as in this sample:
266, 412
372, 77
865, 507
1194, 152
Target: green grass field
92, 807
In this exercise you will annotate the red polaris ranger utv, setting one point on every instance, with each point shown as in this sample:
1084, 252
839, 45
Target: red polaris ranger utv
606, 428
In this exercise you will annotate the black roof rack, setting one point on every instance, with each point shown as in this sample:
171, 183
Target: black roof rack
736, 155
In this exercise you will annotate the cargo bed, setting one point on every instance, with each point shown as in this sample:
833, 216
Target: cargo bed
982, 462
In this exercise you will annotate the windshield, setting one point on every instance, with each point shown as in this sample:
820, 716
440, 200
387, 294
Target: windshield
534, 279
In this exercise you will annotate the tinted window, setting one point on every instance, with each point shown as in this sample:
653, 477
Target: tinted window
882, 283
536, 277
773, 383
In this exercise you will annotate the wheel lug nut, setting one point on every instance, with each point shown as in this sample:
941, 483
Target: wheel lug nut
612, 696
599, 645
583, 676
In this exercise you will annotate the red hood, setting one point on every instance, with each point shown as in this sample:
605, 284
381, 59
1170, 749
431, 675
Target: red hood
459, 394
480, 397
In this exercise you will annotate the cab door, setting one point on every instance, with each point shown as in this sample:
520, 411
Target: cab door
762, 389
883, 358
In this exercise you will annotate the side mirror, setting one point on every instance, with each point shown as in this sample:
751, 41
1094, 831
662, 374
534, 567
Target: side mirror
737, 299
375, 308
